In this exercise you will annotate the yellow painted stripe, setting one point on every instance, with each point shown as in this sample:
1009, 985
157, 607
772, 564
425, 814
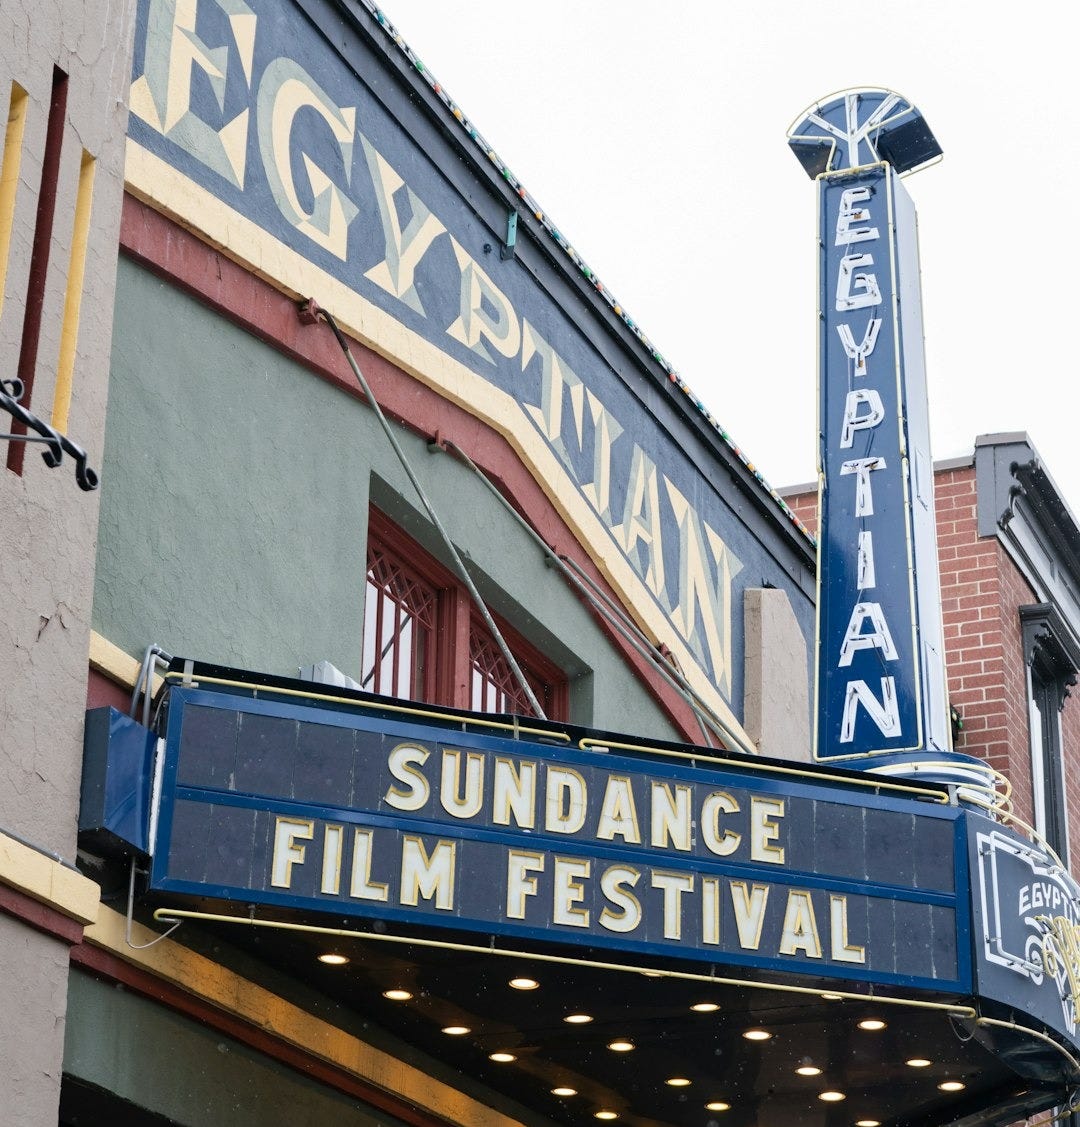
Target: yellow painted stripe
408, 709
117, 665
175, 915
69, 332
9, 176
217, 985
44, 879
871, 782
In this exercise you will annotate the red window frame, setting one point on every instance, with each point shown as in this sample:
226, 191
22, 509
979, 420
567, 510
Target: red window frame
459, 649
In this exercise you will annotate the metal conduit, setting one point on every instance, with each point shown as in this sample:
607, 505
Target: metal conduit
617, 618
311, 313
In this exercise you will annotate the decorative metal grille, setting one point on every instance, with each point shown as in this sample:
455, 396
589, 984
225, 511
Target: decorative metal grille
493, 686
399, 627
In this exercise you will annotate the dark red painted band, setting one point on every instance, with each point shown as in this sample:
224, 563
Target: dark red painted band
40, 916
102, 690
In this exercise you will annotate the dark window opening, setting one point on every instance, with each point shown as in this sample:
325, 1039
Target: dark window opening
1053, 659
39, 258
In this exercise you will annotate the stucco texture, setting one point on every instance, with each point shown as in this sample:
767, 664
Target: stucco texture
234, 517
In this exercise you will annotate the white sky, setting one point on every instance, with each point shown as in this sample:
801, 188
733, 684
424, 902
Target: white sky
654, 136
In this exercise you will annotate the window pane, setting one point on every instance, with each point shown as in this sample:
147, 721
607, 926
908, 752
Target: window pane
494, 685
399, 619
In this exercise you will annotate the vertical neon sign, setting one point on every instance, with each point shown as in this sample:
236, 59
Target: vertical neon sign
881, 694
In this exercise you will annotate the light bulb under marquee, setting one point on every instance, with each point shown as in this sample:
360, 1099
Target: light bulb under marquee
564, 1091
620, 1046
524, 983
705, 1007
717, 1105
872, 1023
606, 1115
757, 1035
918, 1062
456, 1030
677, 1081
831, 1097
502, 1058
952, 1086
333, 960
397, 995
578, 1019
808, 1070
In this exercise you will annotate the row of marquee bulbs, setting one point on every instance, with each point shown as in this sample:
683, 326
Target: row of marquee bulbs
624, 1046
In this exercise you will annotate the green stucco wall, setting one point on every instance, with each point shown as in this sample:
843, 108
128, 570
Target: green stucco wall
190, 1073
234, 509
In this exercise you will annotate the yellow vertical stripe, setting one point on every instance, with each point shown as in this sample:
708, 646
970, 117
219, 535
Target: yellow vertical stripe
9, 176
69, 333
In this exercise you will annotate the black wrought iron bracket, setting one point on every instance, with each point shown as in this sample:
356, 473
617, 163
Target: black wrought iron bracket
56, 444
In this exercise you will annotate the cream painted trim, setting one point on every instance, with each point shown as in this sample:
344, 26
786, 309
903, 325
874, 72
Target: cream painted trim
117, 665
167, 190
45, 879
216, 985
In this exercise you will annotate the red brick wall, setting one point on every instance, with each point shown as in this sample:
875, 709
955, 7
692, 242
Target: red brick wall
804, 506
981, 593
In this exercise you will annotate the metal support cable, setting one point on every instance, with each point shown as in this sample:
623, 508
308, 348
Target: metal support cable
617, 618
458, 563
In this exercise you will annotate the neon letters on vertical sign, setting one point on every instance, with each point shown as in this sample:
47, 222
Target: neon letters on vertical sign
873, 649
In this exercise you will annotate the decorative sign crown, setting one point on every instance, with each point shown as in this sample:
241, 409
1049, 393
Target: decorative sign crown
859, 127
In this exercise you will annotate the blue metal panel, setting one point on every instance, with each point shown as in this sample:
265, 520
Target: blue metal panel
118, 760
336, 811
881, 681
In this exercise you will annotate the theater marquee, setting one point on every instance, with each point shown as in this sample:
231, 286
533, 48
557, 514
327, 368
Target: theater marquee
276, 803
554, 837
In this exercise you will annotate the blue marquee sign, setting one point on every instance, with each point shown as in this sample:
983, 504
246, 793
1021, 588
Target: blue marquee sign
260, 800
338, 811
1027, 927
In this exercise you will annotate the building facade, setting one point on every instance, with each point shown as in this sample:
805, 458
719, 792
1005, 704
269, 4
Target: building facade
64, 90
408, 534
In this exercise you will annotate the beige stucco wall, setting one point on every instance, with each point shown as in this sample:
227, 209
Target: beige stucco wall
776, 696
48, 525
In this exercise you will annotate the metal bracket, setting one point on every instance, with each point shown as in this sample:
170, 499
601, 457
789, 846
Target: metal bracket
131, 917
57, 444
507, 249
